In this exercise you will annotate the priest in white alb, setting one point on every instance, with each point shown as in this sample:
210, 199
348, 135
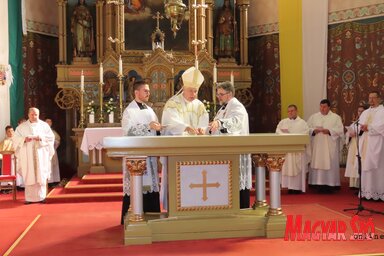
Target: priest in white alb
232, 118
295, 167
326, 129
372, 149
33, 144
183, 114
139, 119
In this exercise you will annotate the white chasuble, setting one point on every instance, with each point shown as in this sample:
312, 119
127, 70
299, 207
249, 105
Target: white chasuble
234, 120
325, 148
371, 145
135, 122
295, 166
34, 157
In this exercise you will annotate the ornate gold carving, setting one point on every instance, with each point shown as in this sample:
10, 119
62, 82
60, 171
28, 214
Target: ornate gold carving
136, 166
275, 162
136, 217
259, 160
201, 208
274, 212
259, 203
68, 98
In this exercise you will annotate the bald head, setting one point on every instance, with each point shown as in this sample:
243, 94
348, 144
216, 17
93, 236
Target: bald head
33, 115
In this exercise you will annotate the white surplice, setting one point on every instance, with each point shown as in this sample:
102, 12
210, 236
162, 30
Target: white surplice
234, 120
371, 146
178, 114
325, 166
135, 122
55, 175
351, 164
295, 167
34, 157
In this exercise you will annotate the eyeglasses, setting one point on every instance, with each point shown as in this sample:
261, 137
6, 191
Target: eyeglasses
222, 94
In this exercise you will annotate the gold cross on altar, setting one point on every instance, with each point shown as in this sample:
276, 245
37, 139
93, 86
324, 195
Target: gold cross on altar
158, 17
205, 185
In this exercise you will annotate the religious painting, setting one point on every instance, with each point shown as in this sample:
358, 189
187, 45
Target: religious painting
140, 22
131, 78
111, 86
158, 86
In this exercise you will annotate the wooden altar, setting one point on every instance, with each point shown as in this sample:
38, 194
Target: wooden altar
216, 156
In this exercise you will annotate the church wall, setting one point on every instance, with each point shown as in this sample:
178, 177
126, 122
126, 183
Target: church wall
40, 55
41, 16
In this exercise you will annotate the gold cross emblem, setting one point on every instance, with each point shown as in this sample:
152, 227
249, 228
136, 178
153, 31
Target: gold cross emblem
205, 185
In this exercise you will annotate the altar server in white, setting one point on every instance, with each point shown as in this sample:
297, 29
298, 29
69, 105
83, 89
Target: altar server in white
326, 129
295, 167
183, 114
350, 140
33, 144
372, 149
55, 175
232, 118
140, 120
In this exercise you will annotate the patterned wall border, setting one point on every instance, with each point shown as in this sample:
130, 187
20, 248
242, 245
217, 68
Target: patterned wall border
333, 17
356, 13
42, 28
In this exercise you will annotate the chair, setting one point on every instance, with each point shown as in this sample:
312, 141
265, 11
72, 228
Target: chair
6, 175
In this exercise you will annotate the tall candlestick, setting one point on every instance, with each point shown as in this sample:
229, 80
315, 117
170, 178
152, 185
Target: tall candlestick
232, 78
101, 73
214, 73
120, 66
82, 81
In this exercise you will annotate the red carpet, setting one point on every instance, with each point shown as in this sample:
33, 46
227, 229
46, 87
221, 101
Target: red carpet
93, 229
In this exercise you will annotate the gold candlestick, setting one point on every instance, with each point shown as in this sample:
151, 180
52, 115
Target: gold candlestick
214, 97
121, 96
101, 118
82, 123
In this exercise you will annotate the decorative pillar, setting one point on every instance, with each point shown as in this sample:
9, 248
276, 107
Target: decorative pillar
62, 10
108, 25
136, 167
243, 6
201, 24
209, 26
274, 163
259, 161
99, 29
120, 33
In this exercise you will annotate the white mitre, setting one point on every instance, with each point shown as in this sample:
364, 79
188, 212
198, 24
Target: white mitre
192, 78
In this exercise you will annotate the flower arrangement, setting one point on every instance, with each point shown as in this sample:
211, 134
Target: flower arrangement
90, 108
109, 106
207, 105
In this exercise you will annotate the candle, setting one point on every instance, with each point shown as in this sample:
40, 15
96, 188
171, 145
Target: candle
232, 78
101, 73
214, 73
82, 81
120, 66
197, 64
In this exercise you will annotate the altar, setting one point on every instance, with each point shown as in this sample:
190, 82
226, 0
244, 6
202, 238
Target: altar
203, 178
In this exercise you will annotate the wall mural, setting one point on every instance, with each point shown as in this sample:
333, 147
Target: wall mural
140, 22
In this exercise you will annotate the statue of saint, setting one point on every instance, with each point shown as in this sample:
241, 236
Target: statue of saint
82, 31
225, 32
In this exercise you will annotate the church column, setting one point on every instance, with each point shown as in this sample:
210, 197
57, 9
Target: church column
274, 163
201, 24
108, 26
243, 5
62, 9
120, 33
136, 167
259, 161
209, 26
99, 29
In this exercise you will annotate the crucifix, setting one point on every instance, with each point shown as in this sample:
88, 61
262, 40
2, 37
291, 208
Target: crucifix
204, 185
158, 17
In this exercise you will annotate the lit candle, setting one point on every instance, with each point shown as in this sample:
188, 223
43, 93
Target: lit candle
82, 81
101, 72
232, 78
214, 73
120, 66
